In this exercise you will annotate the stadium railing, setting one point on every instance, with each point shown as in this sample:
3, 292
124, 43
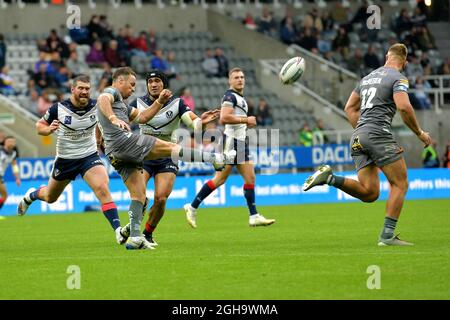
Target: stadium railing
443, 87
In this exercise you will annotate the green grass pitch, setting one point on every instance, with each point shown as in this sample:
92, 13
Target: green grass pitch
312, 252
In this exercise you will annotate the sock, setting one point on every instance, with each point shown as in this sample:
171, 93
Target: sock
249, 194
205, 191
389, 228
194, 155
149, 229
335, 181
2, 202
135, 214
110, 211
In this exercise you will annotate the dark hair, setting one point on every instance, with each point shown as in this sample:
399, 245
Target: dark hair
124, 71
81, 78
6, 138
157, 74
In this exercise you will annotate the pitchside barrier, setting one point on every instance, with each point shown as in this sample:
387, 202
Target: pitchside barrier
278, 189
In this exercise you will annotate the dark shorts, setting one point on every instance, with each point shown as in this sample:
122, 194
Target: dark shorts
240, 146
129, 155
374, 146
69, 169
153, 167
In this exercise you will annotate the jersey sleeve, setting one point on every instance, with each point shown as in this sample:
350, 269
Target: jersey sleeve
358, 89
133, 103
229, 100
129, 109
51, 114
114, 92
182, 107
400, 85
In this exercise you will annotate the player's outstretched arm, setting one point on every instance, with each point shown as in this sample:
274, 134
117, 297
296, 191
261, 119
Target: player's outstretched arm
352, 109
148, 114
228, 117
408, 115
104, 102
191, 120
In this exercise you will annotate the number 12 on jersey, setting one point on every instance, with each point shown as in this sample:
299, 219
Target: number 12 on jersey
366, 97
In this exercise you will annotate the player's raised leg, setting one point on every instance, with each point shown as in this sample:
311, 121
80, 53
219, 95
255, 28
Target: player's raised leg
247, 171
163, 187
49, 193
97, 179
3, 194
191, 208
397, 176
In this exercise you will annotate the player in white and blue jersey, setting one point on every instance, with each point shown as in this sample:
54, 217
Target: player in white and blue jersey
74, 122
8, 156
234, 116
163, 126
370, 110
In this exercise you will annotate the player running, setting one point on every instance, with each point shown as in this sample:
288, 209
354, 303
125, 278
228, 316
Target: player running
233, 115
370, 110
163, 126
74, 121
8, 155
127, 151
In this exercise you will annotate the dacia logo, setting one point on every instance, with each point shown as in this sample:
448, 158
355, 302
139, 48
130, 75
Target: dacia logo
169, 114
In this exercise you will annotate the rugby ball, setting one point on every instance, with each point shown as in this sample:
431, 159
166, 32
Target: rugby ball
292, 70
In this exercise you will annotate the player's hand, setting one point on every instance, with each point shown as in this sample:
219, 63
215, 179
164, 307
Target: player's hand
425, 138
121, 124
210, 116
54, 126
251, 122
18, 182
164, 96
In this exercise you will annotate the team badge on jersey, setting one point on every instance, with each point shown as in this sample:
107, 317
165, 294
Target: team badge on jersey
356, 145
68, 120
92, 117
169, 114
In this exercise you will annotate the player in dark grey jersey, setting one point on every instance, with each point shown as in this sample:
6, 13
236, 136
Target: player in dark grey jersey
370, 110
127, 151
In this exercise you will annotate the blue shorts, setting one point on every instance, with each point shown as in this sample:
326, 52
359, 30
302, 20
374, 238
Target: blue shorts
240, 146
69, 169
153, 167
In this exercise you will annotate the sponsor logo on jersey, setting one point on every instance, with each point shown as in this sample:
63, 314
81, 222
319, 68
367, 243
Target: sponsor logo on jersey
68, 120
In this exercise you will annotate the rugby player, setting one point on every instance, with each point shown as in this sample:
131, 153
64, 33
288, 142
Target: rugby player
8, 155
370, 109
74, 121
127, 151
233, 115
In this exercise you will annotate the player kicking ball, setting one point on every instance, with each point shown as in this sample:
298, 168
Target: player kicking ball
74, 121
370, 110
233, 115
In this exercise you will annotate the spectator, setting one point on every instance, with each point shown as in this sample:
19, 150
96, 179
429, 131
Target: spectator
210, 65
425, 41
251, 107
43, 60
75, 65
288, 32
327, 22
414, 68
112, 56
430, 157
308, 40
172, 69
321, 137
403, 22
223, 63
152, 43
371, 60
263, 117
305, 136
106, 78
2, 51
249, 22
106, 29
158, 62
356, 63
95, 30
313, 21
422, 98
341, 43
140, 47
62, 79
32, 104
6, 82
419, 19
123, 46
267, 24
361, 15
187, 98
44, 79
96, 57
47, 98
57, 45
